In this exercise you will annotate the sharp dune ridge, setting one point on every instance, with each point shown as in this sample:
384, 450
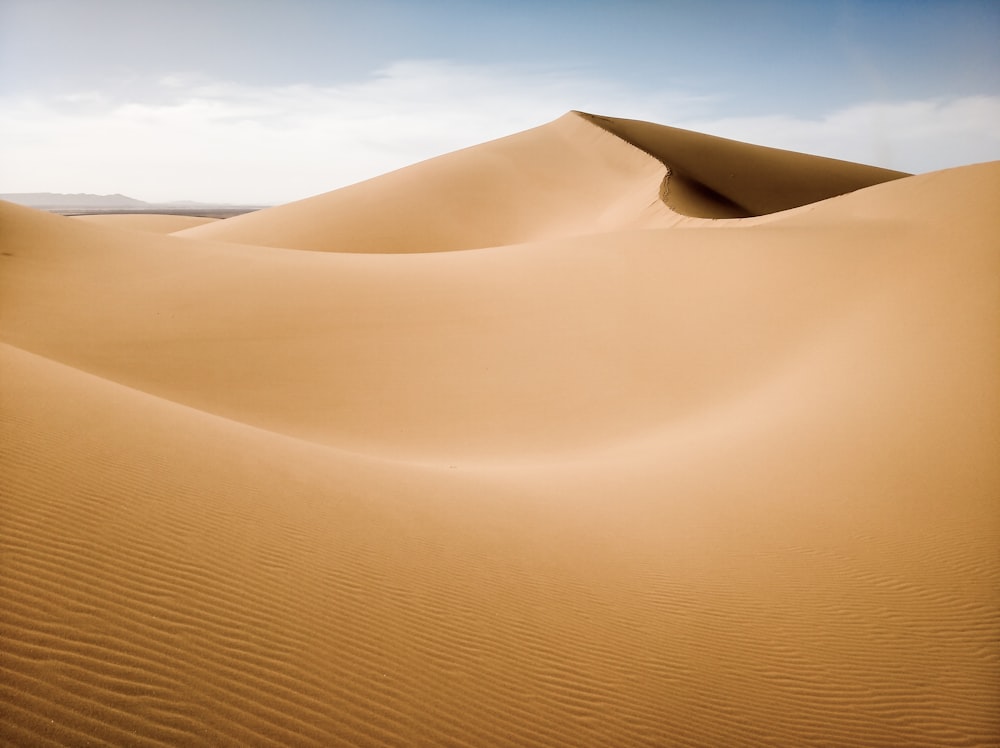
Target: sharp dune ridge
712, 177
604, 433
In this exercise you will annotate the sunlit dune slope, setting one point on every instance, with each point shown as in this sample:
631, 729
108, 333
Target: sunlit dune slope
713, 177
564, 178
537, 347
613, 476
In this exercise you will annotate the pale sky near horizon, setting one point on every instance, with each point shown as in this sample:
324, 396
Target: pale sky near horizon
266, 101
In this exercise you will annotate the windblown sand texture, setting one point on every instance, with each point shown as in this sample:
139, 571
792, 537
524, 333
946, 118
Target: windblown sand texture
604, 433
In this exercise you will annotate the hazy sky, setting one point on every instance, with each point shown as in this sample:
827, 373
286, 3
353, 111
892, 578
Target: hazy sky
264, 101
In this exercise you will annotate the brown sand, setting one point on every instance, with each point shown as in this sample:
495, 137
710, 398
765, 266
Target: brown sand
614, 475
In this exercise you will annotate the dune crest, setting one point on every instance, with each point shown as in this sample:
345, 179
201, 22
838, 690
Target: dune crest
565, 178
713, 177
503, 449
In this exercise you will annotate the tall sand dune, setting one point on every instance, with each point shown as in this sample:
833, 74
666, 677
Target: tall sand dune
624, 472
566, 178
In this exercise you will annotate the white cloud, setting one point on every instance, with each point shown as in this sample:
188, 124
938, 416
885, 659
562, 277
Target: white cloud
186, 137
914, 136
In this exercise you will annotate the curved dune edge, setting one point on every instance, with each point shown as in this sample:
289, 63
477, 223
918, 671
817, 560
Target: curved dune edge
713, 177
157, 223
494, 368
628, 479
537, 349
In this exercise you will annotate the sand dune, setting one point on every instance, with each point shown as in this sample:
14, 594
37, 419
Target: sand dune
157, 223
564, 179
713, 177
629, 470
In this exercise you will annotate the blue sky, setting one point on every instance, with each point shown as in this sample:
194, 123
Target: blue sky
270, 100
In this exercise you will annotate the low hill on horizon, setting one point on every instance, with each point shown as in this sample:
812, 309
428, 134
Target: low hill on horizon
60, 202
73, 201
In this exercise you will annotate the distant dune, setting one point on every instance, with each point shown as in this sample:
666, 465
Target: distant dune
57, 201
87, 204
156, 223
604, 433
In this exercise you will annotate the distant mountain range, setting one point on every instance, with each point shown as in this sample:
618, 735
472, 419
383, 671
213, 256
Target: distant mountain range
61, 202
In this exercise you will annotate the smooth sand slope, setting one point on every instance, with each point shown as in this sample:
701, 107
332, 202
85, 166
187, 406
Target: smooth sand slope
623, 472
153, 222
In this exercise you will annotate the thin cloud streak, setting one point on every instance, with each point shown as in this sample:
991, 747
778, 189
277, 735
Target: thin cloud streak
187, 137
913, 136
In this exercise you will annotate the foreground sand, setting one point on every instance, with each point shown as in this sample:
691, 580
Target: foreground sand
525, 445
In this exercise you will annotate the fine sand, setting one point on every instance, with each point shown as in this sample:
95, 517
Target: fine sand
604, 433
157, 223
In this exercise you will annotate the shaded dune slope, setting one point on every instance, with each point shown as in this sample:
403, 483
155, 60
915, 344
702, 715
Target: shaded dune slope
714, 177
627, 480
